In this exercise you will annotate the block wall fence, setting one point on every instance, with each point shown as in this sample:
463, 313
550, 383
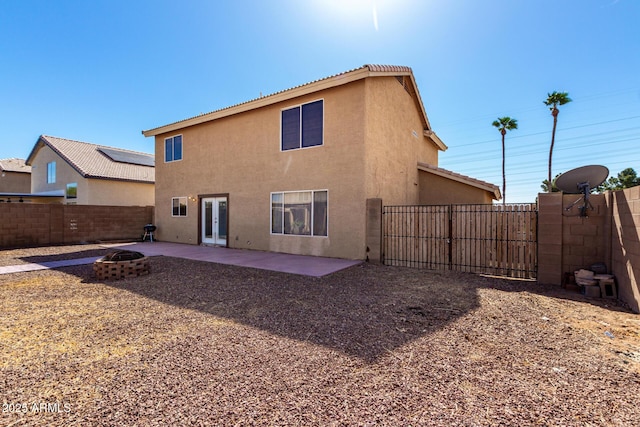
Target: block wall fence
566, 241
610, 234
26, 224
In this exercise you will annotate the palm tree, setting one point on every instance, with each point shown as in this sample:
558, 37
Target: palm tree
550, 189
553, 100
504, 124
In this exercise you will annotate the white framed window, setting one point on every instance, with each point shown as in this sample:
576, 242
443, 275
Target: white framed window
72, 190
173, 148
300, 213
302, 126
179, 206
51, 173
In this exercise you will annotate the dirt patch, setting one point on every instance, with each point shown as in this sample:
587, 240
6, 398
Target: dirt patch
198, 343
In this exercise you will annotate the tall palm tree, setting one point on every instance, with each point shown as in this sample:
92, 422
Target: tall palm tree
504, 124
553, 100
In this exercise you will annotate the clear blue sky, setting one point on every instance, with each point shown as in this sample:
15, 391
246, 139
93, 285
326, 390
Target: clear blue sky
103, 71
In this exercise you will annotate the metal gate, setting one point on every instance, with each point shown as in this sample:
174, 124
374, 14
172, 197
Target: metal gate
491, 239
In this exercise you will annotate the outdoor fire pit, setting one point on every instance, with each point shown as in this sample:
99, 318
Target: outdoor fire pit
121, 264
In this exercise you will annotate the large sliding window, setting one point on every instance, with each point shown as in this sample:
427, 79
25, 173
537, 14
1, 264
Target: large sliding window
300, 213
302, 126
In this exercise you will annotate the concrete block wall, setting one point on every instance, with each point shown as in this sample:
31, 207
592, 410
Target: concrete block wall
625, 244
26, 224
609, 233
584, 238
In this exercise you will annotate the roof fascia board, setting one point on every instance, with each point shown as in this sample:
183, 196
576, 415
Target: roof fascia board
423, 111
420, 105
31, 195
38, 145
63, 156
436, 140
107, 178
307, 89
12, 171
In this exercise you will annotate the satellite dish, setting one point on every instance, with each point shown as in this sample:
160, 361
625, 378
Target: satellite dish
580, 181
575, 180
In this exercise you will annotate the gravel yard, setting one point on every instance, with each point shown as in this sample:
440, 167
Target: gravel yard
197, 343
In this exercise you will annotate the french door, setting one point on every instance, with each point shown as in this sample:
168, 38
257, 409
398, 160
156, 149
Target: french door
214, 221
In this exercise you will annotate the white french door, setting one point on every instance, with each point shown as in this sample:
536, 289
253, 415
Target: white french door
214, 221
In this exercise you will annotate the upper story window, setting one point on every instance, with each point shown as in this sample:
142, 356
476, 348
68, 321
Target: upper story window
302, 126
51, 173
173, 148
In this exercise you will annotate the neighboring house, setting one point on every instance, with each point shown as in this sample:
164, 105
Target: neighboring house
15, 183
15, 177
292, 172
88, 174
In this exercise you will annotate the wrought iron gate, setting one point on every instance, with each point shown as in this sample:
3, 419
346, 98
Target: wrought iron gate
491, 239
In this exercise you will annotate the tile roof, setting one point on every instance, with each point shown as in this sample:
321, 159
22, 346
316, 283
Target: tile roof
376, 68
487, 186
367, 70
91, 162
14, 165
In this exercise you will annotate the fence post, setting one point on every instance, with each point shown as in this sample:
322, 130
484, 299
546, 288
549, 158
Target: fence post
550, 238
373, 231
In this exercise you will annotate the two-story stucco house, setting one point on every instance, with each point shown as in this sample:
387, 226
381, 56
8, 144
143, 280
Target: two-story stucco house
292, 171
89, 174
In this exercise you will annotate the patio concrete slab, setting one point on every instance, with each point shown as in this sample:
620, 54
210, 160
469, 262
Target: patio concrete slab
286, 263
45, 265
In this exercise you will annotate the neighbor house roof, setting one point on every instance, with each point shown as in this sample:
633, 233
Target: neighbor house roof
14, 165
491, 188
99, 161
365, 71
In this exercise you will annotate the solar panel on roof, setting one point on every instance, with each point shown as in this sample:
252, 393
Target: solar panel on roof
128, 157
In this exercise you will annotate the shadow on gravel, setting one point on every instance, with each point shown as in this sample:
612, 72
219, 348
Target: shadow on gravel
554, 291
39, 259
365, 311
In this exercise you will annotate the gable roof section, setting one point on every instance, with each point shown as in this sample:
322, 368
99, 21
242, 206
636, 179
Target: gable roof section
14, 165
93, 161
363, 72
486, 186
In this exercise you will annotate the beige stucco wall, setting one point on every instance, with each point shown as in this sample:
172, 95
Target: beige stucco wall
437, 190
15, 182
65, 174
240, 156
395, 143
118, 193
90, 191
